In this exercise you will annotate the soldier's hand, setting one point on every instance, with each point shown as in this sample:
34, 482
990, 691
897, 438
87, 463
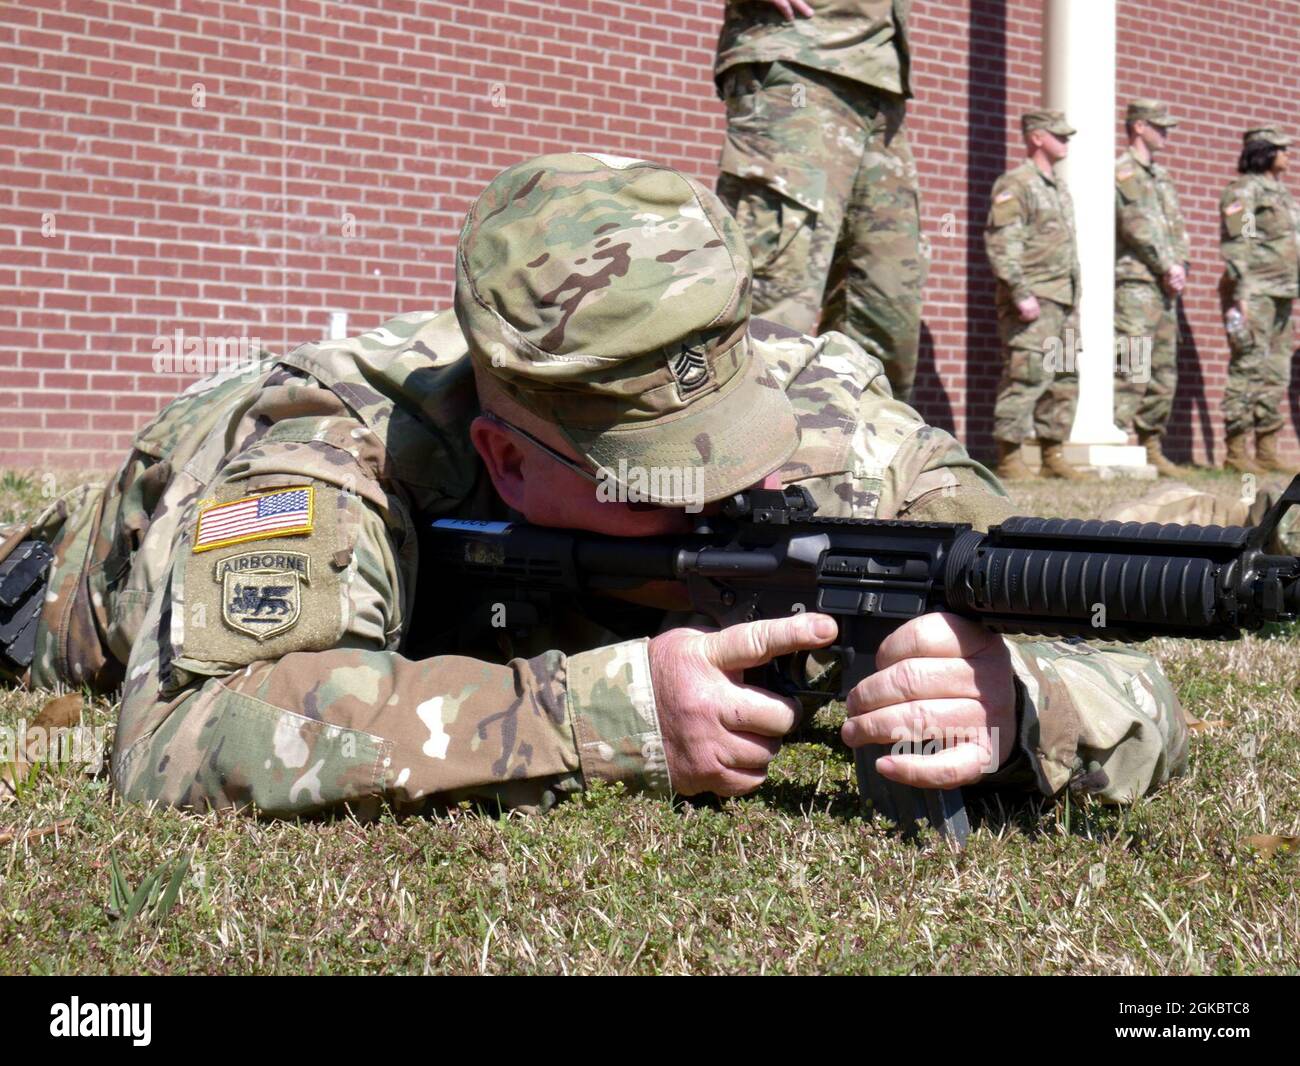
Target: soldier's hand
789, 8
943, 681
719, 733
1175, 280
1028, 308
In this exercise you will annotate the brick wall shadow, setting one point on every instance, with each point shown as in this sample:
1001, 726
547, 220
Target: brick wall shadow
929, 395
986, 112
1191, 414
1293, 397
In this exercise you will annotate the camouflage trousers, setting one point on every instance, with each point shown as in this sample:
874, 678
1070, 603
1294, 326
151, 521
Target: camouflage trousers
1259, 369
819, 175
1039, 389
1146, 356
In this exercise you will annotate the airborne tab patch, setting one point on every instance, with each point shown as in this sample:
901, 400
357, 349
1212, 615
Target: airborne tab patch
287, 512
260, 591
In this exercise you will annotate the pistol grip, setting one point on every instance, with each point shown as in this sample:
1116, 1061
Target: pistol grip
905, 806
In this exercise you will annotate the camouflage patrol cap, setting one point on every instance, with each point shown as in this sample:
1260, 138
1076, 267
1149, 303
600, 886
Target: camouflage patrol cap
1152, 112
1046, 119
1268, 135
611, 298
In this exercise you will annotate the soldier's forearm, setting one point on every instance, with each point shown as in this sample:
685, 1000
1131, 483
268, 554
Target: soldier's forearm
315, 729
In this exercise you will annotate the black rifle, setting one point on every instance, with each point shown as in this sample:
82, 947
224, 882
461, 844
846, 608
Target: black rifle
768, 555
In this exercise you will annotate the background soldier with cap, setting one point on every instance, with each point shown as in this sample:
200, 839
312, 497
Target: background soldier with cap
1031, 246
1258, 232
582, 342
1151, 256
817, 169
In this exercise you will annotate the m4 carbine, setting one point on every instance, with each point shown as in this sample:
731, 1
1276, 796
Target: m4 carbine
769, 555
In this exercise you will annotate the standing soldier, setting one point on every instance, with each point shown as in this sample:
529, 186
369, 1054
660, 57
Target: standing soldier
1151, 255
1257, 236
817, 170
1031, 247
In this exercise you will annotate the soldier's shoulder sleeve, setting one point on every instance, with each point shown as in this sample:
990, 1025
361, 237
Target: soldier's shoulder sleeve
830, 380
1007, 204
865, 454
933, 479
1004, 234
295, 546
1234, 207
1128, 181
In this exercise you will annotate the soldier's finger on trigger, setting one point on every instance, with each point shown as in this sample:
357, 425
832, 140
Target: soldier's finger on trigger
750, 644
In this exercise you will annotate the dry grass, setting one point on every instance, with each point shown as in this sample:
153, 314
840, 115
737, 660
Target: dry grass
790, 880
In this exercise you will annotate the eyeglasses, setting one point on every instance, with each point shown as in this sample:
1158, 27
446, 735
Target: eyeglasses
598, 477
559, 457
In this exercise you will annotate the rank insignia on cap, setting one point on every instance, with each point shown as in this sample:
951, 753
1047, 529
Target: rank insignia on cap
261, 592
287, 512
690, 369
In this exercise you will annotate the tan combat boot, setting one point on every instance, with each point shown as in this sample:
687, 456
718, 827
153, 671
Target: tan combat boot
1156, 457
1266, 453
1237, 457
1054, 464
1010, 466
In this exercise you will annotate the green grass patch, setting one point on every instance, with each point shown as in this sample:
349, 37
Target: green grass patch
790, 880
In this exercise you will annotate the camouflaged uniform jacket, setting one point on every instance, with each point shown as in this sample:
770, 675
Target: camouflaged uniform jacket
1258, 231
1150, 235
268, 665
861, 40
1030, 236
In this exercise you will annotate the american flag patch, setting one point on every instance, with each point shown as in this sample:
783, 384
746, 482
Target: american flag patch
272, 514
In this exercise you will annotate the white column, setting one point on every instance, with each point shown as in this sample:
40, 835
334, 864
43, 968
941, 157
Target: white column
1079, 79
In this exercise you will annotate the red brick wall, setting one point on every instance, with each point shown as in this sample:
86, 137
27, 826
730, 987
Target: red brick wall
338, 146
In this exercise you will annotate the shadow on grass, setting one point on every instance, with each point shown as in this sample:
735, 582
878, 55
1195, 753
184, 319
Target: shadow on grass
834, 791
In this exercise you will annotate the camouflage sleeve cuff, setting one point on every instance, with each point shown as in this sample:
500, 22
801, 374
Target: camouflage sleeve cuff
1101, 720
615, 720
1021, 292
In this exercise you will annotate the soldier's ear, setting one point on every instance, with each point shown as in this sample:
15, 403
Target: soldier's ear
504, 458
